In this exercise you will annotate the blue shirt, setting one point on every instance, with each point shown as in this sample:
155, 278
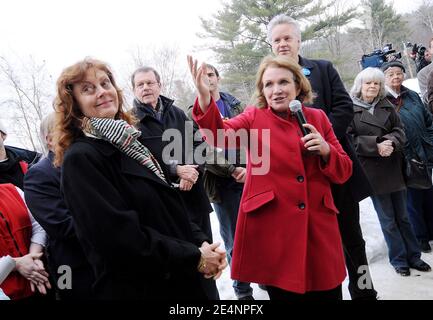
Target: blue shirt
223, 109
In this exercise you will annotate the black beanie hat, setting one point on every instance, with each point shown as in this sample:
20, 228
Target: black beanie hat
395, 63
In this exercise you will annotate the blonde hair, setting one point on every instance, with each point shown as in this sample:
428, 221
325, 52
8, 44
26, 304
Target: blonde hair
68, 112
305, 93
46, 127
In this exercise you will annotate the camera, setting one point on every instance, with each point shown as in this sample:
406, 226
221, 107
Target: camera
378, 57
418, 55
416, 49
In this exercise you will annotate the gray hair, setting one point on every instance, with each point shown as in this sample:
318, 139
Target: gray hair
283, 19
368, 74
144, 70
46, 127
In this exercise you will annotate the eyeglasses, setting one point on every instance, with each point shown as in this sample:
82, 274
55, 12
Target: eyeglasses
148, 83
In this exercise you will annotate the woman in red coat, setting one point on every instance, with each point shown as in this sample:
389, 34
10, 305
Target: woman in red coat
287, 234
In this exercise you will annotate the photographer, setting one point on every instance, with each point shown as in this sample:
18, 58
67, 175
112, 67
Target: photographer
380, 56
420, 55
424, 73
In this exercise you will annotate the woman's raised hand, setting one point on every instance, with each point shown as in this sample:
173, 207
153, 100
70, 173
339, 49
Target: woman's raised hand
201, 82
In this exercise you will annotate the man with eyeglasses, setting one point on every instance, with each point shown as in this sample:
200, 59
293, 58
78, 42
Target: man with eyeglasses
157, 113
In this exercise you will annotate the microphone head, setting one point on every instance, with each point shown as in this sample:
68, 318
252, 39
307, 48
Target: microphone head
295, 105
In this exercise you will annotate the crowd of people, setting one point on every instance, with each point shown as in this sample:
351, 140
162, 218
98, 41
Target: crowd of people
115, 210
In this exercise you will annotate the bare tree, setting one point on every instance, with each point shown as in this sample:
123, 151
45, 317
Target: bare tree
382, 22
26, 98
334, 19
424, 14
167, 62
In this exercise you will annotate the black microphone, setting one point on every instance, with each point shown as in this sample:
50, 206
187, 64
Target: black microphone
295, 107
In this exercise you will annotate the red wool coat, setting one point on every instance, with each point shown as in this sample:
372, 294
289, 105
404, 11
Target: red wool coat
287, 233
15, 235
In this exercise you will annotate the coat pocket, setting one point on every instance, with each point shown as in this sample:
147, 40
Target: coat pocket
328, 202
258, 200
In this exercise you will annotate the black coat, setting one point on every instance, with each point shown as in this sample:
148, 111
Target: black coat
332, 97
11, 171
133, 227
384, 173
45, 201
152, 131
31, 157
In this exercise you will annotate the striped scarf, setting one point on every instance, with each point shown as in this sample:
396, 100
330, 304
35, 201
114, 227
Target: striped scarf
123, 136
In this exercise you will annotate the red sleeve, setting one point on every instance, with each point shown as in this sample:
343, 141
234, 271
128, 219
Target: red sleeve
218, 132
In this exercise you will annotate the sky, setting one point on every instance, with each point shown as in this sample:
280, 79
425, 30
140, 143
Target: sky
405, 6
62, 32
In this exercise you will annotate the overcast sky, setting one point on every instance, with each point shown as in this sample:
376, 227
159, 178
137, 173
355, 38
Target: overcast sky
62, 32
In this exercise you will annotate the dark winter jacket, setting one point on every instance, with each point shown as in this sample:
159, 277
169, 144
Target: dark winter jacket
133, 227
11, 171
385, 173
152, 131
31, 157
332, 97
218, 170
418, 125
45, 201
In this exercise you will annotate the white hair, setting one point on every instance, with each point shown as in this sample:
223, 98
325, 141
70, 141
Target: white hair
46, 127
368, 74
283, 19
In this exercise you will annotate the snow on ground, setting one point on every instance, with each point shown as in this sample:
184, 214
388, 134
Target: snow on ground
388, 284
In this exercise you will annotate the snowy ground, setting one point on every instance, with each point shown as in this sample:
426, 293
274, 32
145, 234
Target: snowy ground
389, 285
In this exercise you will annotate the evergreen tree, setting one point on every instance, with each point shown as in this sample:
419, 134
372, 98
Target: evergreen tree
383, 23
238, 33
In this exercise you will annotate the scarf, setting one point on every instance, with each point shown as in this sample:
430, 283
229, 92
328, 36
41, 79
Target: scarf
124, 137
156, 112
368, 106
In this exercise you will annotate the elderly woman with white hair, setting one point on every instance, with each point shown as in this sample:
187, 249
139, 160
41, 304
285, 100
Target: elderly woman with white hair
418, 124
379, 139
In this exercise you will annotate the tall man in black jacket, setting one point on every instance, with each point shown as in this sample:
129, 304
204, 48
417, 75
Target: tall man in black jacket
285, 37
